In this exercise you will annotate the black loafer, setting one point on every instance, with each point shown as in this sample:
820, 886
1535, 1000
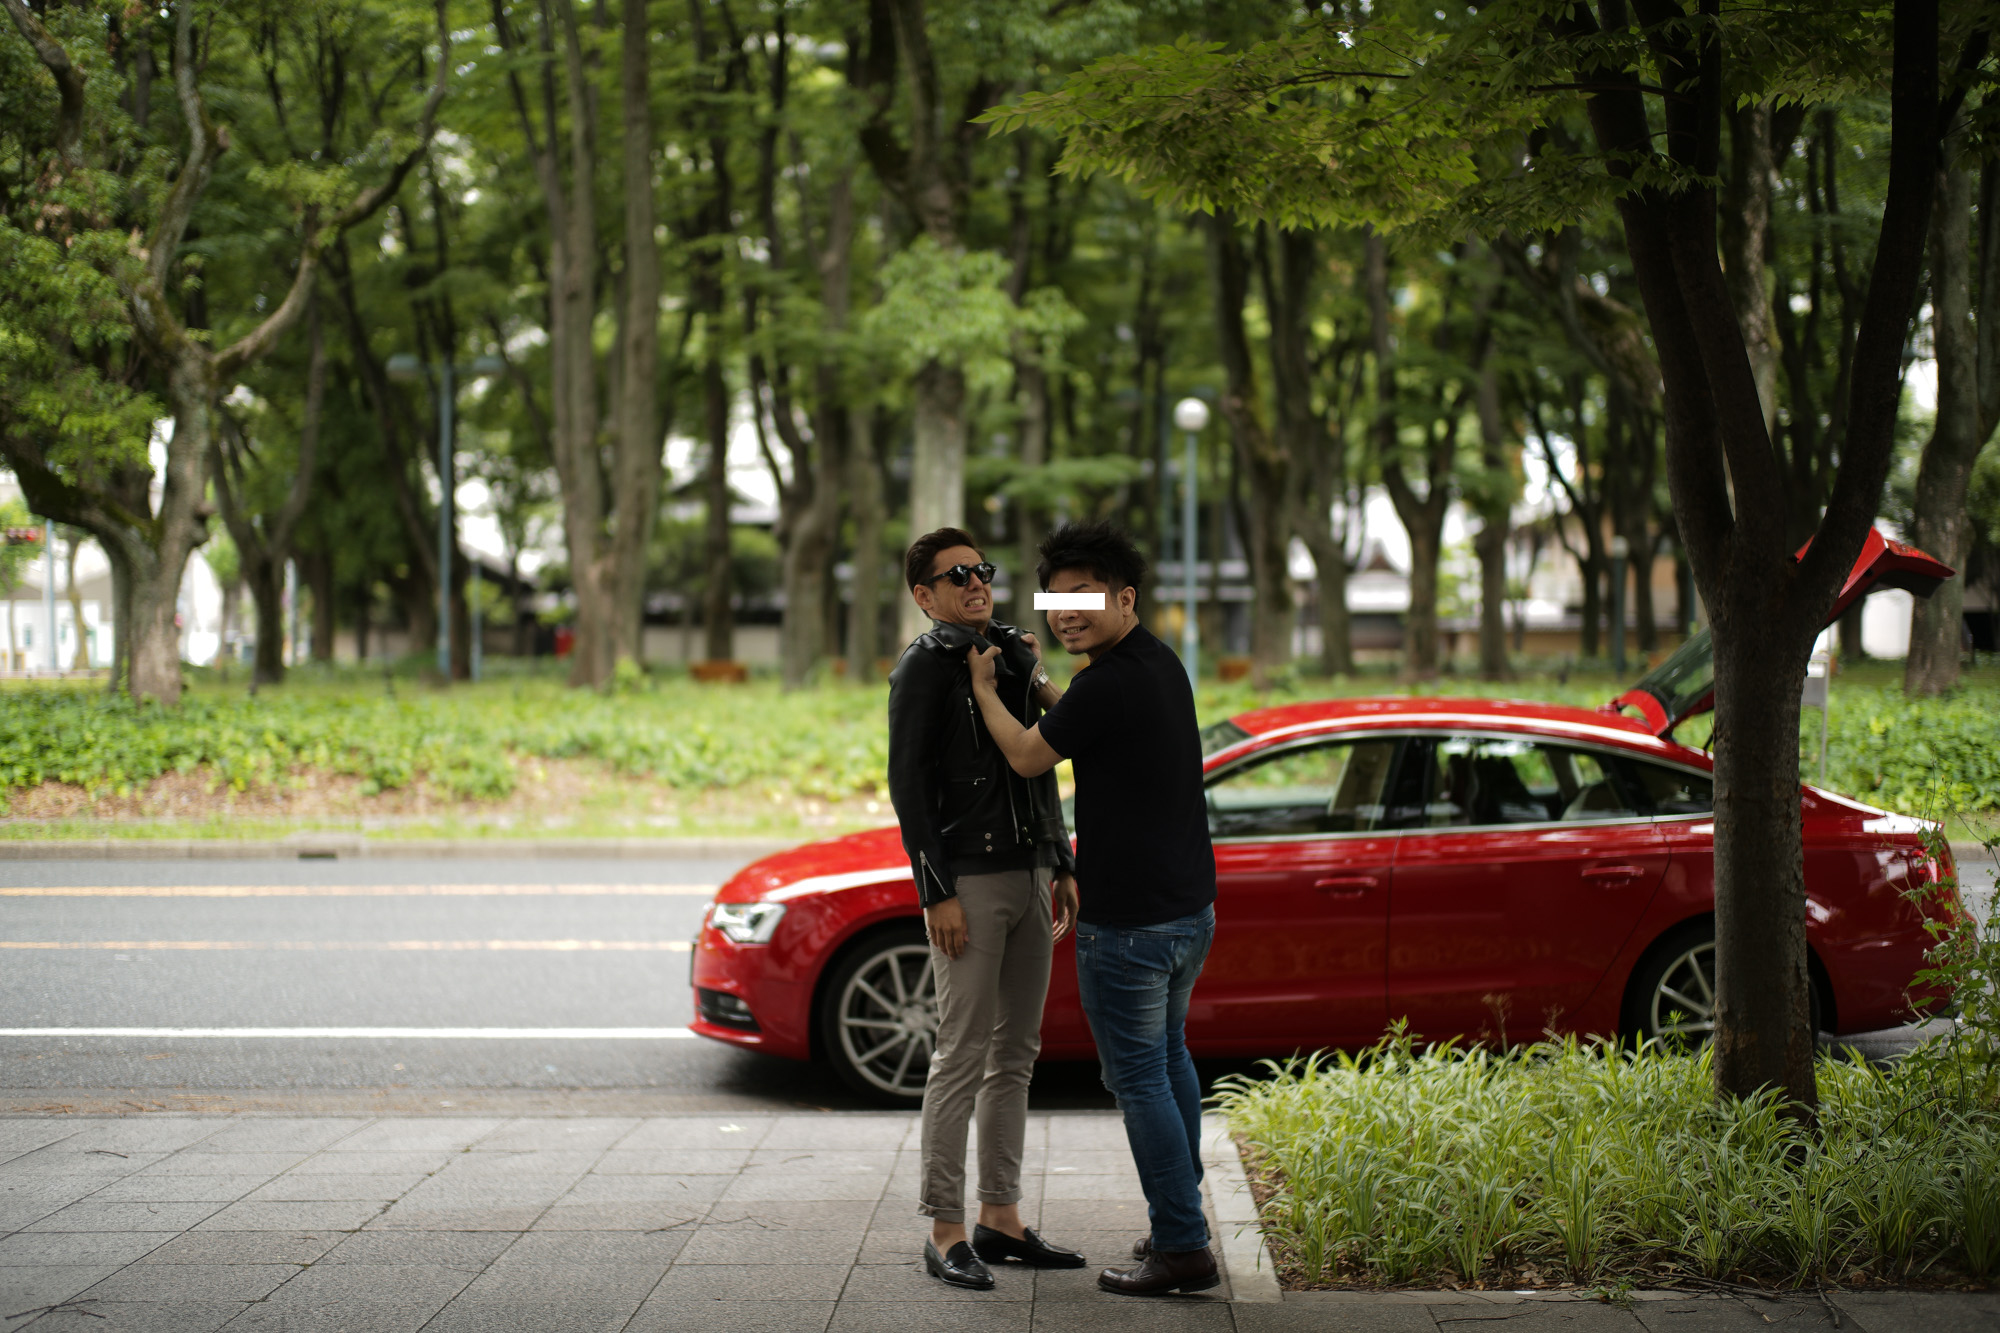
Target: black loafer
994, 1246
959, 1266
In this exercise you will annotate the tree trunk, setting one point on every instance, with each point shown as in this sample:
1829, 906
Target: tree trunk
937, 466
267, 601
80, 659
156, 652
717, 614
1495, 515
1259, 461
864, 610
1746, 236
1422, 516
317, 567
1033, 380
1766, 607
635, 491
1942, 526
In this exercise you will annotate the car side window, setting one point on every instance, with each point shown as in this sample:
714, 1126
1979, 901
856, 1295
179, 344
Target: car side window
1479, 782
1330, 788
1673, 791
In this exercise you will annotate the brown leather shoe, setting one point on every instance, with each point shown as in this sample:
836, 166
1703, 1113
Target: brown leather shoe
1163, 1271
1142, 1247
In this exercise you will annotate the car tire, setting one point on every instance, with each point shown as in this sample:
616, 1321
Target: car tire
1671, 997
878, 1016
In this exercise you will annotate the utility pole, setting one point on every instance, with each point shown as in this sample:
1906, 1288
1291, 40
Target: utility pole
403, 366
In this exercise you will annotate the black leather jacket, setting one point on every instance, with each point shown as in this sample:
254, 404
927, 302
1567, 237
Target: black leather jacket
954, 793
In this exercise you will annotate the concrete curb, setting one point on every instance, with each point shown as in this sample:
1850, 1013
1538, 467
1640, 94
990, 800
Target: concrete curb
356, 846
1253, 1277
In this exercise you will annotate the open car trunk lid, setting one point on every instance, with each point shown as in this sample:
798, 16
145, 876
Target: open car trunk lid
1683, 686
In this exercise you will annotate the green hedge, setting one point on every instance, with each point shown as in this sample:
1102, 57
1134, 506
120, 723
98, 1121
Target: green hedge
826, 742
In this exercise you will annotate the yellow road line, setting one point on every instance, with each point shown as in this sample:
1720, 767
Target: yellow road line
354, 890
394, 946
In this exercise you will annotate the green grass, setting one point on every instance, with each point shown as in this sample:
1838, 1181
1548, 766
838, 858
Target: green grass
1591, 1165
666, 737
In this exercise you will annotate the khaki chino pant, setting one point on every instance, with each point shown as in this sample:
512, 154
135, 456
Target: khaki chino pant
989, 1032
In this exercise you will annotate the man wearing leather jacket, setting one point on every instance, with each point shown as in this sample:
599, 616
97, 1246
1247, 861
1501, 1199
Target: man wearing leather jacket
995, 874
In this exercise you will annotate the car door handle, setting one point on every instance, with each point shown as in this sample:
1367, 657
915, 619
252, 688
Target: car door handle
1347, 886
1613, 875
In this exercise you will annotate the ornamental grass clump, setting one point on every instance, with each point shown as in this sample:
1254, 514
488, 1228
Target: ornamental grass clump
1589, 1163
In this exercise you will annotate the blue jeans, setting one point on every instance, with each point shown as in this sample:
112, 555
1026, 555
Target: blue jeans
1134, 982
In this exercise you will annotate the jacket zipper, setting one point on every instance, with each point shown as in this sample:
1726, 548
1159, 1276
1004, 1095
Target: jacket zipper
972, 716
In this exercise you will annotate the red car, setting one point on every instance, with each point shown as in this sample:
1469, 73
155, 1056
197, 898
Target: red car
1473, 866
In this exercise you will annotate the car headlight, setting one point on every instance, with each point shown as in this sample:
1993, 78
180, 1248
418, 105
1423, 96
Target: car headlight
747, 923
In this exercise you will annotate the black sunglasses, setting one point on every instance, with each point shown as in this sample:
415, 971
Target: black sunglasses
960, 575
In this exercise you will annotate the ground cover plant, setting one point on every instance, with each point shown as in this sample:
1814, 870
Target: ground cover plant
658, 742
1597, 1166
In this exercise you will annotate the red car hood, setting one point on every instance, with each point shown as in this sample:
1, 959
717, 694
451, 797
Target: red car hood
1683, 686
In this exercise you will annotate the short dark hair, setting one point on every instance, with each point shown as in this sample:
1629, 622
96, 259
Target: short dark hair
917, 564
1099, 548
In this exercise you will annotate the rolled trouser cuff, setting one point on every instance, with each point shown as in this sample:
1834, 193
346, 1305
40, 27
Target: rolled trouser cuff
941, 1214
1001, 1196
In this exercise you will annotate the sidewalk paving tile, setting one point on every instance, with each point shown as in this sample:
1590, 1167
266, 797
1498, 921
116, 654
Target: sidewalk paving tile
293, 1216
818, 1215
1293, 1315
681, 1316
473, 1312
722, 1130
540, 1251
141, 1136
482, 1163
369, 1162
290, 1188
692, 1191
1160, 1314
863, 1131
908, 1281
713, 1245
753, 1282
245, 1247
265, 1164
1066, 1215
403, 1134
632, 1216
468, 1251
852, 1187
90, 1216
595, 1135
19, 1136
58, 1162
29, 1287
1720, 1314
183, 1283
142, 1317
910, 1317
663, 1162
356, 1299
303, 1136
824, 1161
1922, 1311
34, 1248
177, 1189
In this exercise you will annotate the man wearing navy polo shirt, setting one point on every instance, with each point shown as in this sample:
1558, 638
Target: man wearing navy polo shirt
1145, 873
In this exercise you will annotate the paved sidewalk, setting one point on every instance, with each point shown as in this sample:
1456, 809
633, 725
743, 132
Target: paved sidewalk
781, 1223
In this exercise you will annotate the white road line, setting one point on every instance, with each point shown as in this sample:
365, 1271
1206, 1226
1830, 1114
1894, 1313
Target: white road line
355, 890
393, 946
444, 1034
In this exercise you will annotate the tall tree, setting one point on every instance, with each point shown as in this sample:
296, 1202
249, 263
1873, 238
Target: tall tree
1197, 122
148, 545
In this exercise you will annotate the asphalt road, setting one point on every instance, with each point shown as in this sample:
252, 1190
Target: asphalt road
168, 949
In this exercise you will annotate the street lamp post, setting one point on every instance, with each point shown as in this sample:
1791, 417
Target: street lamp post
403, 366
1620, 548
1191, 415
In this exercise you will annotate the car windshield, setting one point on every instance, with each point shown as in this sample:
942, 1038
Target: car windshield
1685, 679
1220, 736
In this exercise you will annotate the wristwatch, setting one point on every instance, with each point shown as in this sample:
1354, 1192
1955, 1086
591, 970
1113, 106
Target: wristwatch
1041, 678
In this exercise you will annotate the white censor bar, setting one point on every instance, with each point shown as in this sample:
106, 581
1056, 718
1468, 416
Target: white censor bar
1069, 601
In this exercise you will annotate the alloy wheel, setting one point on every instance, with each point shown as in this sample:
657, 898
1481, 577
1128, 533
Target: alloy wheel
1683, 1003
888, 1016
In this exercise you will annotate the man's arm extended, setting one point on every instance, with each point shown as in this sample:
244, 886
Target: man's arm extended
1027, 753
